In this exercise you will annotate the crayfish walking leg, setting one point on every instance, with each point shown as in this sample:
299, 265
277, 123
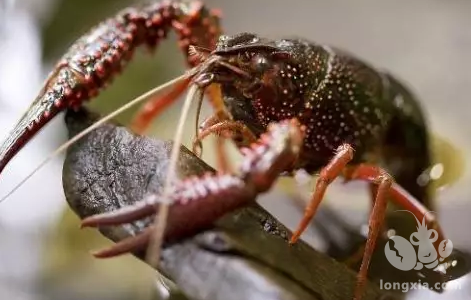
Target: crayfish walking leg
385, 187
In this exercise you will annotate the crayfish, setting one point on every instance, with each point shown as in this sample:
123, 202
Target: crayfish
353, 118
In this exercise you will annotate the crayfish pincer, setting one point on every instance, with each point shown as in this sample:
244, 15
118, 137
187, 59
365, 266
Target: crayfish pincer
98, 56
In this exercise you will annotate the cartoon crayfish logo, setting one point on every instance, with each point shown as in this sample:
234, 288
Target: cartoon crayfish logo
401, 254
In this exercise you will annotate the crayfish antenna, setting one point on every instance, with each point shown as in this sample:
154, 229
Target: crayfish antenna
153, 251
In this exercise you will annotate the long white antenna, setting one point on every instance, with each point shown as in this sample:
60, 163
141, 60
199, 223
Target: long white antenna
160, 221
70, 142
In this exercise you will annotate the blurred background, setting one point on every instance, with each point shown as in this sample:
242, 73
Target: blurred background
44, 255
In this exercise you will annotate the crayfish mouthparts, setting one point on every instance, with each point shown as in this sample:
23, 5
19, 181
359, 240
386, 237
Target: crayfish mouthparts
211, 69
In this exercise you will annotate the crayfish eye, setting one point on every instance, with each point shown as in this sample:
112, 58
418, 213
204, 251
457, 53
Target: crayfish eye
261, 63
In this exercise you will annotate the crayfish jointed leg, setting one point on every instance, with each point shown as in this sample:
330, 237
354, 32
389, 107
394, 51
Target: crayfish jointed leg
383, 189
